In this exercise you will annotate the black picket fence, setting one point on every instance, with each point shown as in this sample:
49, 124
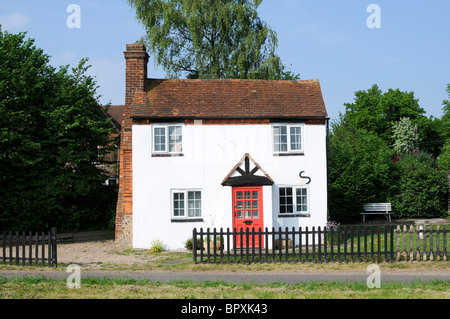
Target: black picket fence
28, 248
361, 243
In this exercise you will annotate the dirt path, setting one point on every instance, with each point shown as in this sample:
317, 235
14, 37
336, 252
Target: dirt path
95, 254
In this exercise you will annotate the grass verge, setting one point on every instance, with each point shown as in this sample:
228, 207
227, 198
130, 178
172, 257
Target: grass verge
102, 288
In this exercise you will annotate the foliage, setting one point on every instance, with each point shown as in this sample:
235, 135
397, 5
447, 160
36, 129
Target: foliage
377, 112
422, 188
210, 39
446, 116
157, 246
405, 137
52, 133
360, 171
444, 158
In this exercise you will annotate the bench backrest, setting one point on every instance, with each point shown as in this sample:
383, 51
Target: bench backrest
378, 207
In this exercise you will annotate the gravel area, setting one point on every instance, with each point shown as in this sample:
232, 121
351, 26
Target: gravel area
94, 254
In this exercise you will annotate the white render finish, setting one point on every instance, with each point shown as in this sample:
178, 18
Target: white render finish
209, 153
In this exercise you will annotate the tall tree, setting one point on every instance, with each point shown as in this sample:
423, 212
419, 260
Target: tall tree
377, 112
444, 159
360, 170
53, 132
210, 39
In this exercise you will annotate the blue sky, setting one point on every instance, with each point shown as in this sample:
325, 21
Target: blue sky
324, 39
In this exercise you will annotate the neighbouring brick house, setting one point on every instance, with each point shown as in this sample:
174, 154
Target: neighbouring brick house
116, 115
218, 153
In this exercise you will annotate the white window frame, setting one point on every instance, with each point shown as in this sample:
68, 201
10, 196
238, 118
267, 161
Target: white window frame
166, 128
295, 203
185, 192
288, 133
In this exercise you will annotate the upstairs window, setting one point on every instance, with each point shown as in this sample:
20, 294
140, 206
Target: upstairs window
167, 139
287, 139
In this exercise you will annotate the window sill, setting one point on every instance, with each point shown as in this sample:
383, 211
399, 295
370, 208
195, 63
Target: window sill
289, 154
167, 155
293, 215
186, 220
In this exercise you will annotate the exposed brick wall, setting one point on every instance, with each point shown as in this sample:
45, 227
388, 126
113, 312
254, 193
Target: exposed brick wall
135, 75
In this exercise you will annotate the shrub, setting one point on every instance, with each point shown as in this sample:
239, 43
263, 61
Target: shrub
422, 188
157, 246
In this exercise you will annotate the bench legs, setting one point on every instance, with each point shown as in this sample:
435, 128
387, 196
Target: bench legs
388, 217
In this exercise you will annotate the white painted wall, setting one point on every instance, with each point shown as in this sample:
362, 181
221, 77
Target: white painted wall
209, 154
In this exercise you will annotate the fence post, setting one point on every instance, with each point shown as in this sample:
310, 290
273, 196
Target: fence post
287, 244
4, 246
445, 242
214, 245
222, 244
319, 238
379, 244
392, 244
313, 244
293, 244
17, 247
228, 244
194, 245
431, 242
438, 242
30, 247
306, 244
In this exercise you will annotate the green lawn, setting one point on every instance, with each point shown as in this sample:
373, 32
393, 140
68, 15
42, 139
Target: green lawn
100, 288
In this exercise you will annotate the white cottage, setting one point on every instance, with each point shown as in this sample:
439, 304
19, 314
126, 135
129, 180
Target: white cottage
218, 153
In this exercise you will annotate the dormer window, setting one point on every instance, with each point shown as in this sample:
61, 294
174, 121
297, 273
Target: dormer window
167, 139
288, 139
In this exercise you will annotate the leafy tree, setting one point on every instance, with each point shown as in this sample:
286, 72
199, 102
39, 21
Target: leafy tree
210, 39
377, 112
444, 158
53, 132
360, 171
446, 116
422, 188
405, 137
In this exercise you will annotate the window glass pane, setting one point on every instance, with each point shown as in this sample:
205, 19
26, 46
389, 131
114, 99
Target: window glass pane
248, 204
239, 195
175, 139
255, 214
255, 194
295, 135
160, 139
178, 204
240, 205
286, 200
194, 204
240, 214
255, 204
248, 214
280, 139
302, 200
247, 195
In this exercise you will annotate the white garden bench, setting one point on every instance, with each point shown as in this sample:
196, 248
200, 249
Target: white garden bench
377, 209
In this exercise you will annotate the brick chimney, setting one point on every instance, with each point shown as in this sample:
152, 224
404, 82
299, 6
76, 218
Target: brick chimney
136, 59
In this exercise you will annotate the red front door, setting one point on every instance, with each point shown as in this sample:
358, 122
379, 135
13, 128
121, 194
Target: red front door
248, 213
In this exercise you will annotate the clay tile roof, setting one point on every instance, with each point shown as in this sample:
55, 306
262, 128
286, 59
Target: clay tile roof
230, 99
116, 112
